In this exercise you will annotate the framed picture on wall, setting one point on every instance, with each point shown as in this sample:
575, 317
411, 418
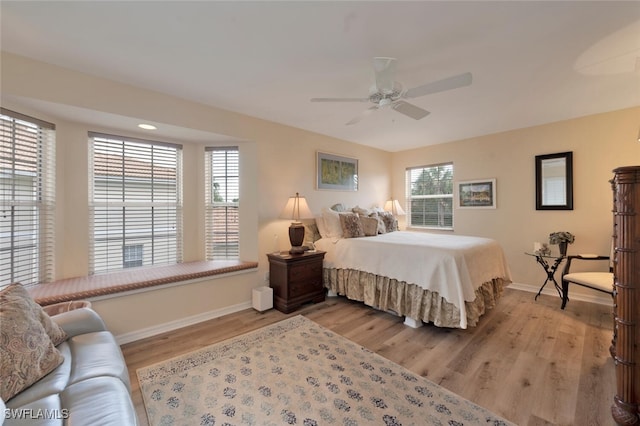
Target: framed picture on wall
335, 172
477, 194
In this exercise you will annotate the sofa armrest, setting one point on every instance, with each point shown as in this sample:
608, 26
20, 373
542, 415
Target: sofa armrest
80, 321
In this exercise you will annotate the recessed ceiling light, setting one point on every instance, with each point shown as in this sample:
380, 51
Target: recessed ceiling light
147, 126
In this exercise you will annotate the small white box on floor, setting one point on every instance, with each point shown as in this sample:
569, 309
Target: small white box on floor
262, 298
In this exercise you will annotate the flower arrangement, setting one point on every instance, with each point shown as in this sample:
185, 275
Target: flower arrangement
561, 237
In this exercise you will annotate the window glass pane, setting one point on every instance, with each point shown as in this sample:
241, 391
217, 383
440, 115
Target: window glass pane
135, 204
430, 196
222, 203
27, 199
133, 255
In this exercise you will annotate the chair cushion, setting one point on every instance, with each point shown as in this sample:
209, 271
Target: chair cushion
600, 280
99, 401
97, 355
46, 411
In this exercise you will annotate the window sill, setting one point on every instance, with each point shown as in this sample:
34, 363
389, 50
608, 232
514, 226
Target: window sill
428, 228
118, 282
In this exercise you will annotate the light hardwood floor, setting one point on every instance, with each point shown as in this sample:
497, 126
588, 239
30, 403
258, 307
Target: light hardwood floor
527, 361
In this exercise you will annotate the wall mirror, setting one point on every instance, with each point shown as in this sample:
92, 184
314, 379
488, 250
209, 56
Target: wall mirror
554, 181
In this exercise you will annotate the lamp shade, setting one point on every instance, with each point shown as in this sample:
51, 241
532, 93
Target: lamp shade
394, 207
296, 209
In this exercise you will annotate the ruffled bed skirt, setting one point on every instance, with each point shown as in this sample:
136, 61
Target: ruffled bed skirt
411, 300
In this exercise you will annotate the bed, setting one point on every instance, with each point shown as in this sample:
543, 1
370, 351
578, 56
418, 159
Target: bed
447, 280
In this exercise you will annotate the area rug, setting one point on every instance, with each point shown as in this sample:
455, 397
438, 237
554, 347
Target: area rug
297, 372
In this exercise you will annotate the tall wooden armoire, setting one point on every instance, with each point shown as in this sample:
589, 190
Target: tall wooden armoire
626, 269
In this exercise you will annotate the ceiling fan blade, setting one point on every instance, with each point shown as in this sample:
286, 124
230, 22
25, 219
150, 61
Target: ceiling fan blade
440, 85
339, 99
385, 70
410, 110
362, 115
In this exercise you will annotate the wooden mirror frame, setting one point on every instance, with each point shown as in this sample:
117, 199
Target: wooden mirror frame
568, 176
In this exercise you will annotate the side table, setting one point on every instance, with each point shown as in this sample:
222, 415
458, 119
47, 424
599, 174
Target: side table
296, 279
549, 268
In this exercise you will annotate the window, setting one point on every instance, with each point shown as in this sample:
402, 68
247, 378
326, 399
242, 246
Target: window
430, 196
27, 194
132, 255
222, 165
135, 203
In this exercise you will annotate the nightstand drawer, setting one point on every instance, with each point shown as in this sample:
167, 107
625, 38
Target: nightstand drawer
295, 279
305, 272
300, 288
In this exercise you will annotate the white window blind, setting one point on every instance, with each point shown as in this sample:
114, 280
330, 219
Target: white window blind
135, 203
222, 185
430, 196
27, 193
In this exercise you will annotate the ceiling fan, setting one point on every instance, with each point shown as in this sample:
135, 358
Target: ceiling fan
386, 92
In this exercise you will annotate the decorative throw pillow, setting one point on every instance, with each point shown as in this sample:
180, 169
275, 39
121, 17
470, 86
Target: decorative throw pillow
390, 222
381, 228
26, 352
351, 225
361, 211
332, 223
311, 233
369, 226
17, 292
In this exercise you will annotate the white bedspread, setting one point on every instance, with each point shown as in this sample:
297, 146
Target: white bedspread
452, 265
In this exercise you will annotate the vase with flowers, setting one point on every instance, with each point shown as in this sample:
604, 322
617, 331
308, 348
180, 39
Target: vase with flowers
561, 238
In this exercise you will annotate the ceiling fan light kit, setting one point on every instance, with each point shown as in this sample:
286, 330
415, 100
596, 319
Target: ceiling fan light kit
388, 92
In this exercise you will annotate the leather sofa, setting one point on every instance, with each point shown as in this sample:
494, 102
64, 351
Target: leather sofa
90, 387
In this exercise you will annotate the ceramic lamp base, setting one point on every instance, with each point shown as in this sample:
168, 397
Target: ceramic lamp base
296, 237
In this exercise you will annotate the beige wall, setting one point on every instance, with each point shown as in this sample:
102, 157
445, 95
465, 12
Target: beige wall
599, 143
276, 162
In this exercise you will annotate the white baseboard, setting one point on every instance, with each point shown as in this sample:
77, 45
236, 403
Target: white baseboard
180, 323
205, 316
596, 297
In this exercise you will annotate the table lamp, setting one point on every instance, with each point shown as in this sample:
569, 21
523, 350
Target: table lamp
295, 210
394, 207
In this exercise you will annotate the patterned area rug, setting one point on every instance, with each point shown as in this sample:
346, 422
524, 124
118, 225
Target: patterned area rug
296, 372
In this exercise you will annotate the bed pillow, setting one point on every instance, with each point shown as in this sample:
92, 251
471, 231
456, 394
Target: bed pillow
27, 353
351, 225
321, 228
361, 211
369, 225
339, 207
390, 222
332, 224
382, 229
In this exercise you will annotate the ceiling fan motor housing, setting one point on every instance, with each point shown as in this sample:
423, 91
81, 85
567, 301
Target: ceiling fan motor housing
383, 98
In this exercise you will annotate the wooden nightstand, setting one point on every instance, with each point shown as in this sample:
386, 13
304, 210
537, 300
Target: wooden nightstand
295, 279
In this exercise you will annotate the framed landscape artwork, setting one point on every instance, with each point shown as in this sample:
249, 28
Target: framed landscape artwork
477, 194
336, 172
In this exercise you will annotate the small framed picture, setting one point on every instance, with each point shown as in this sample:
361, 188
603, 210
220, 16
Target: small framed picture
477, 194
336, 172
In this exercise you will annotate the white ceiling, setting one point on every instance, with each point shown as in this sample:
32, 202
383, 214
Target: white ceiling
532, 62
